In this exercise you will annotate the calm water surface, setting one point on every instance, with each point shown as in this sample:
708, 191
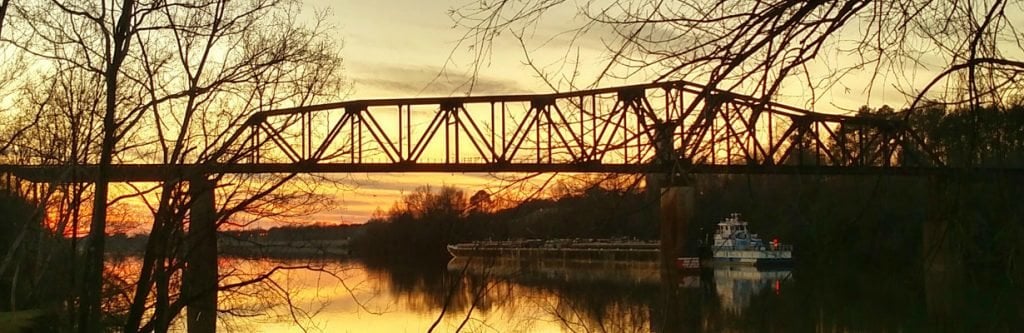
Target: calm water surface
555, 296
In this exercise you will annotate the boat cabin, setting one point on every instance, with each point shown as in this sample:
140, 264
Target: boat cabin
732, 232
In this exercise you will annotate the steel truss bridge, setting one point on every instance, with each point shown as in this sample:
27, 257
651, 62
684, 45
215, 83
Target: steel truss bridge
646, 128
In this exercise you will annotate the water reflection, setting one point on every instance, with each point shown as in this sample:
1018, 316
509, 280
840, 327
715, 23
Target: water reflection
575, 296
517, 296
574, 271
736, 285
609, 296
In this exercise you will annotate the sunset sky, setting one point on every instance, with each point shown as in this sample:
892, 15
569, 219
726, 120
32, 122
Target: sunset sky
410, 48
398, 49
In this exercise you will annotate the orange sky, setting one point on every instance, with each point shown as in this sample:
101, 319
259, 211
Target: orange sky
397, 49
409, 48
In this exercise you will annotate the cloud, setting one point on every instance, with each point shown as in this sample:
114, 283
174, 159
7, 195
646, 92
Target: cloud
384, 182
394, 80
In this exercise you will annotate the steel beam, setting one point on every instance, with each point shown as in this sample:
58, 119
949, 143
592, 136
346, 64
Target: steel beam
157, 172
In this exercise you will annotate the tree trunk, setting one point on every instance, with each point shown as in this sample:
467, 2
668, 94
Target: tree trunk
92, 281
3, 12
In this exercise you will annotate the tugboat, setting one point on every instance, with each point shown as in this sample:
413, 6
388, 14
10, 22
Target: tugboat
733, 243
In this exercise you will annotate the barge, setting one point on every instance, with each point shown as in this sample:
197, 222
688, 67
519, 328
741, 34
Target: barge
567, 249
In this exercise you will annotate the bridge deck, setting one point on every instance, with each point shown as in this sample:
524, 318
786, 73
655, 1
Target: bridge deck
158, 172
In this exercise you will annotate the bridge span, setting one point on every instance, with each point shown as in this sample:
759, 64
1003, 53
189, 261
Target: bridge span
647, 128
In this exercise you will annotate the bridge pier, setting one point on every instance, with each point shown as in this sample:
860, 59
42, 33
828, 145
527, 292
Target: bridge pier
676, 213
675, 192
199, 283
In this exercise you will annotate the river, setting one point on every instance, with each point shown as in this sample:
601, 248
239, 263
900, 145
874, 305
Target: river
557, 296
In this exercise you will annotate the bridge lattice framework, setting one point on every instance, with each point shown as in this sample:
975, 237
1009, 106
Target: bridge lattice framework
652, 127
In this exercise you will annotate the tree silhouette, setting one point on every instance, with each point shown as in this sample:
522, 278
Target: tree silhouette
164, 82
967, 48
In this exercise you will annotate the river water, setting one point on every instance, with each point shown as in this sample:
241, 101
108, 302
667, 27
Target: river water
557, 296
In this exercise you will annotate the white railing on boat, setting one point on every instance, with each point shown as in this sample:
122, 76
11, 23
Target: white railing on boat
778, 248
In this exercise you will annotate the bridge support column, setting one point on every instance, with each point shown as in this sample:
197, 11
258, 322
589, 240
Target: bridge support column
199, 283
677, 208
942, 263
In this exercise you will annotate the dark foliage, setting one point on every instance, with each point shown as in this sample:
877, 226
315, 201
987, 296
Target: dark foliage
297, 233
35, 263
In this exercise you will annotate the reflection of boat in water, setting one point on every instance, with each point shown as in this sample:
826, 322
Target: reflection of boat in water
568, 249
737, 284
733, 243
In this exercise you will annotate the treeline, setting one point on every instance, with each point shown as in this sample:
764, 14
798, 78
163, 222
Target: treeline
981, 137
288, 240
288, 233
423, 222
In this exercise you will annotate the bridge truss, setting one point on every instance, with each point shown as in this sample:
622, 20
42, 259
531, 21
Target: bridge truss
654, 127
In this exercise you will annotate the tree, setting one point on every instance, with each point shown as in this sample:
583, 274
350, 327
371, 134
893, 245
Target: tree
480, 201
759, 48
177, 79
418, 226
4, 4
101, 43
278, 61
447, 204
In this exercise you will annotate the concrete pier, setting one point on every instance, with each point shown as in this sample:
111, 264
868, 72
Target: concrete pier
677, 207
200, 276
